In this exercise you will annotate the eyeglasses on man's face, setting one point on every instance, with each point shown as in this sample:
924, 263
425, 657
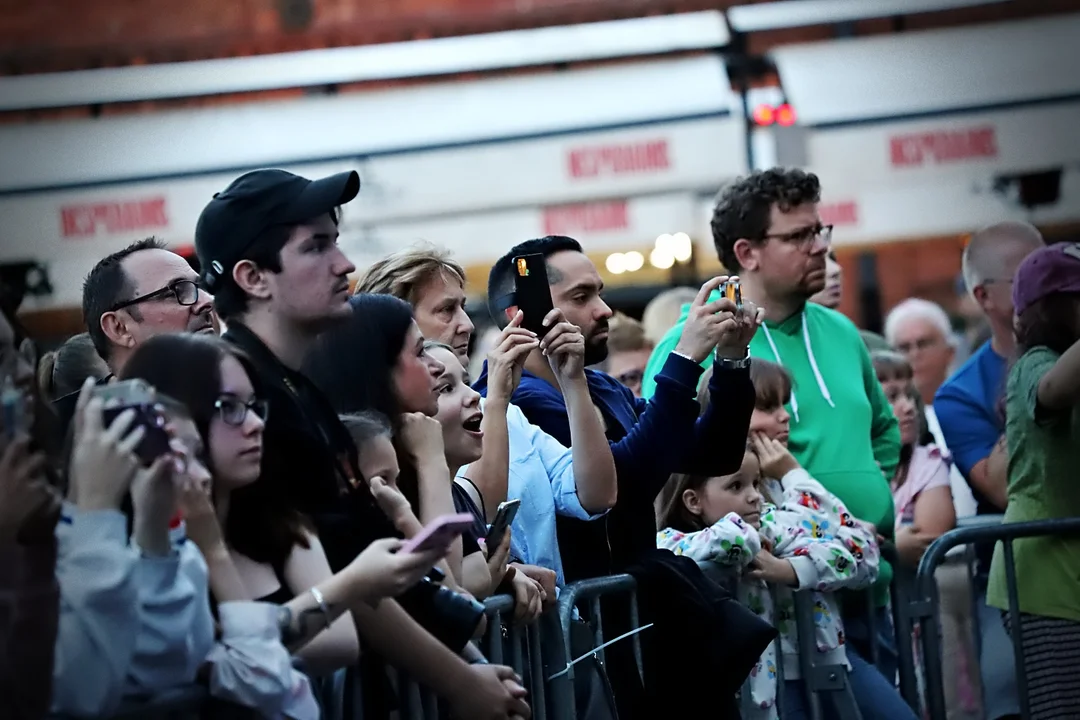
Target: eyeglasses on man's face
234, 410
804, 239
185, 292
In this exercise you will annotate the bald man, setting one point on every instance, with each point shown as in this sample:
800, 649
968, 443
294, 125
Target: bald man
967, 409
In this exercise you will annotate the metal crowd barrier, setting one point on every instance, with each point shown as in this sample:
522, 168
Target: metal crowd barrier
542, 654
924, 608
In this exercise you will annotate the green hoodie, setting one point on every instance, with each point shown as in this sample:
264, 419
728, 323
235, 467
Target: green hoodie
828, 411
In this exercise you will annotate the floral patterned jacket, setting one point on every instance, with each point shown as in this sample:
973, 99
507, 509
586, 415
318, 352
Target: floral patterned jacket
826, 546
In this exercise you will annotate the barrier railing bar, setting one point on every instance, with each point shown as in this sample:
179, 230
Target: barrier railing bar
597, 622
1016, 627
635, 621
924, 608
536, 671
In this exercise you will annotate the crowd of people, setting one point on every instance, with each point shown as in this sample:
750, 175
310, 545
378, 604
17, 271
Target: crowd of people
229, 478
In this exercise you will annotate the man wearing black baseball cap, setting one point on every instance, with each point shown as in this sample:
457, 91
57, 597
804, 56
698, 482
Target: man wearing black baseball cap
267, 245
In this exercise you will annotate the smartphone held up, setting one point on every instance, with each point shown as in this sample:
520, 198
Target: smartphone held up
532, 295
151, 414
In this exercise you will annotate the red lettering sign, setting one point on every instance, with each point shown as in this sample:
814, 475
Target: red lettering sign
841, 213
639, 157
941, 147
586, 217
113, 217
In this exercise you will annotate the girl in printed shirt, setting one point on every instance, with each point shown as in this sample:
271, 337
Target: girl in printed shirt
798, 536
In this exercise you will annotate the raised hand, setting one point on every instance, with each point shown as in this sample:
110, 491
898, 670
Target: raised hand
394, 504
200, 519
564, 347
421, 436
776, 460
103, 462
707, 322
507, 359
734, 339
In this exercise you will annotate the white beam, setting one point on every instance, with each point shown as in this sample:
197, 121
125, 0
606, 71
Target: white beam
802, 13
419, 58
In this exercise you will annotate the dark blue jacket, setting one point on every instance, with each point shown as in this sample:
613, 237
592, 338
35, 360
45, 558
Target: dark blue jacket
650, 440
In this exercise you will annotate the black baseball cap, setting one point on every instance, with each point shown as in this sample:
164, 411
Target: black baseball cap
255, 202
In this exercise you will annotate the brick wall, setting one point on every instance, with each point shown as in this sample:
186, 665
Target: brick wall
51, 35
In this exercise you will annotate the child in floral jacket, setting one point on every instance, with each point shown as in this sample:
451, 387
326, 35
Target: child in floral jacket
790, 533
806, 541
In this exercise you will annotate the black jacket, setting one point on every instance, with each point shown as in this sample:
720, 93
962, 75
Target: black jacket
703, 641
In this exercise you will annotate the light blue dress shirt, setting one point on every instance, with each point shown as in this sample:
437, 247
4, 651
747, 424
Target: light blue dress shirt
542, 477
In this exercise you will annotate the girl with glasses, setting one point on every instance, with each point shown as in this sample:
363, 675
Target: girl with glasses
256, 546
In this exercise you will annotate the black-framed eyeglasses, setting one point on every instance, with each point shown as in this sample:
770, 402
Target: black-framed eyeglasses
631, 377
234, 410
186, 292
804, 238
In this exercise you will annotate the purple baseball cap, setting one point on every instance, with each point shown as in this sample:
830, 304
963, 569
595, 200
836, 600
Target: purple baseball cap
1048, 270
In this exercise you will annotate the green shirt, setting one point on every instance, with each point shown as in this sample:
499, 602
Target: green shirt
850, 445
1044, 452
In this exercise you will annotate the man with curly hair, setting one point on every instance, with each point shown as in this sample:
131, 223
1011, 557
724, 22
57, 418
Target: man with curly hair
767, 230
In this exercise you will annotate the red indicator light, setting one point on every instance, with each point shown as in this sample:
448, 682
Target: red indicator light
785, 115
764, 115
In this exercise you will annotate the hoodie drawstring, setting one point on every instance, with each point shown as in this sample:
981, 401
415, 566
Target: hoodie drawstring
813, 366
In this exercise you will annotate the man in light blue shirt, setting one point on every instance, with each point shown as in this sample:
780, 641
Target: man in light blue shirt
549, 478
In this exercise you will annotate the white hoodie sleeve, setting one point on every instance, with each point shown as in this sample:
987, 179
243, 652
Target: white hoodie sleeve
251, 667
99, 611
176, 629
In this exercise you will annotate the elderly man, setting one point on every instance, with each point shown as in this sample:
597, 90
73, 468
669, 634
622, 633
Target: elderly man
967, 408
920, 330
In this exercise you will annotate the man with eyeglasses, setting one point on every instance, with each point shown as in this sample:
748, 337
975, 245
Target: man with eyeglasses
139, 292
134, 294
767, 230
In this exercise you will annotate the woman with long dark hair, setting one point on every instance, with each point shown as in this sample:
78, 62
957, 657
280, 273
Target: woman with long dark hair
268, 551
1042, 430
377, 360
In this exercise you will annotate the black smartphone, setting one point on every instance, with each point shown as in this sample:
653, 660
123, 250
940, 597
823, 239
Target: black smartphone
149, 413
504, 517
532, 294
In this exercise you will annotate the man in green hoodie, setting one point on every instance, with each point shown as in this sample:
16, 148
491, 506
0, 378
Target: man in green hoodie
767, 230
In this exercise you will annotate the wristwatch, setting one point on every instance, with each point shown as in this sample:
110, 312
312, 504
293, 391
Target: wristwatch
729, 364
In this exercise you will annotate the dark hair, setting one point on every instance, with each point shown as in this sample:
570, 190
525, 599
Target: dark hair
671, 511
261, 524
108, 284
352, 363
743, 208
366, 426
1048, 322
63, 371
772, 384
265, 251
501, 277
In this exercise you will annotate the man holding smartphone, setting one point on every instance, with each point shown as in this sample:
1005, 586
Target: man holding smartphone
520, 461
268, 246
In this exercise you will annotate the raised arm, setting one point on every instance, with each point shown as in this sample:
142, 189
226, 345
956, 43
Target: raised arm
490, 474
594, 466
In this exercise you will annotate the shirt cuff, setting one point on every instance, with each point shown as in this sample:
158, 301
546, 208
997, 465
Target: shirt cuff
78, 528
682, 370
804, 571
249, 619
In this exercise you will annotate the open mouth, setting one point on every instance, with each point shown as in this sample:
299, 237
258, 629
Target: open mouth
472, 424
